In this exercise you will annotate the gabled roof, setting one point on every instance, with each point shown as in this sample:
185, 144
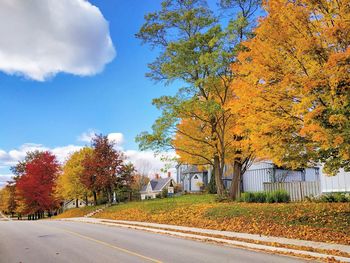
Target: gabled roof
157, 184
190, 169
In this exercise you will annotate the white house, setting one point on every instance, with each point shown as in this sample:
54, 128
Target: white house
266, 172
191, 178
156, 186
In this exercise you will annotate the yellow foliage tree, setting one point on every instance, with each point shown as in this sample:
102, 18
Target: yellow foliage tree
69, 185
223, 146
8, 200
4, 197
294, 83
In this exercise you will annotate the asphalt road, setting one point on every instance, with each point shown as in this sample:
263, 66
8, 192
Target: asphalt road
59, 241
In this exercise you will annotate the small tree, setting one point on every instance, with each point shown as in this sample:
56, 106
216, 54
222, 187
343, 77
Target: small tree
102, 167
69, 185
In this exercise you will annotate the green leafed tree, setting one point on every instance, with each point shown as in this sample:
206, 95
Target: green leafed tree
196, 48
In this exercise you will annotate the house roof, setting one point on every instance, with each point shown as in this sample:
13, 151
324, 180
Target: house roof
157, 184
192, 169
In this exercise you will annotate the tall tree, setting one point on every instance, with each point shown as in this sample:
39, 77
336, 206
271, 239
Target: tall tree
36, 186
196, 50
102, 167
295, 83
69, 185
126, 179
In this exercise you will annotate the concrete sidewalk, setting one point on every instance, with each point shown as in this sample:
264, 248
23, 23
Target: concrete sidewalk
3, 217
227, 237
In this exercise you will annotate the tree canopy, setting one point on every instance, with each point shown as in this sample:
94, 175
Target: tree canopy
36, 185
294, 83
69, 185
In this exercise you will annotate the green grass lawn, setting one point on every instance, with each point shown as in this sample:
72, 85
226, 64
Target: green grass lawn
162, 205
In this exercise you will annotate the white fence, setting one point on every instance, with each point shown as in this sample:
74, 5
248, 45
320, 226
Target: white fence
337, 183
297, 190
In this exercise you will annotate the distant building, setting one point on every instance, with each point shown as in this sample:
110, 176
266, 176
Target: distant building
156, 186
68, 204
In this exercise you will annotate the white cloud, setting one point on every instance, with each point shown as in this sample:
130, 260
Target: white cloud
63, 152
87, 136
4, 178
41, 38
148, 164
116, 137
11, 157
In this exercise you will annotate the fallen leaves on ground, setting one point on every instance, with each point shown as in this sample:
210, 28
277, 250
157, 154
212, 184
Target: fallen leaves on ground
326, 222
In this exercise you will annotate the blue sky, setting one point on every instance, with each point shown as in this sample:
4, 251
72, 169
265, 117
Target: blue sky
55, 112
95, 39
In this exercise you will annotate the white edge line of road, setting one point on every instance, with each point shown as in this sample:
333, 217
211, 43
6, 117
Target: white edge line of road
239, 244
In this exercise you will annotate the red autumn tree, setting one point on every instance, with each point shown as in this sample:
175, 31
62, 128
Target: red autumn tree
102, 167
36, 185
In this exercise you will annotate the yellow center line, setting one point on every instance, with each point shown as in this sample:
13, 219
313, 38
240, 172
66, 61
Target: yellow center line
105, 244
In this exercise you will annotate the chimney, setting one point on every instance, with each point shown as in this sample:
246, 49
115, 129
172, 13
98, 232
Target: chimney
169, 174
157, 176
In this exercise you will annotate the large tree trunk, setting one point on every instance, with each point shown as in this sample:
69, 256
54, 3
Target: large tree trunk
235, 189
95, 197
218, 176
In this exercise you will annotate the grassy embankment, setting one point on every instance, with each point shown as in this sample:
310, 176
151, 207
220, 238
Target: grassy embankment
328, 222
78, 212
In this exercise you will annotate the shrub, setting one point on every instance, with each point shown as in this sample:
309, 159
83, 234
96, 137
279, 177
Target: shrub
260, 197
250, 197
334, 197
102, 201
211, 187
341, 198
165, 193
279, 196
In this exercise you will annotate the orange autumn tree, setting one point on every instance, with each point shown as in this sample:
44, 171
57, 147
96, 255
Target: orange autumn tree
294, 83
196, 141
